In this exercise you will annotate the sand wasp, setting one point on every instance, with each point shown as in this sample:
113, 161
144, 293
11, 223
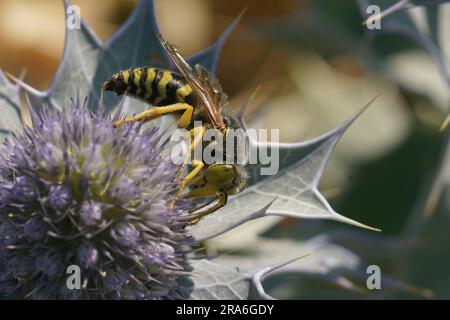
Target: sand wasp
196, 95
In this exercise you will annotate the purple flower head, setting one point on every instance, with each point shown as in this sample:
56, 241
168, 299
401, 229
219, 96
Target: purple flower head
49, 157
35, 229
115, 281
24, 189
125, 190
58, 197
87, 255
49, 262
158, 253
5, 194
91, 213
74, 190
126, 234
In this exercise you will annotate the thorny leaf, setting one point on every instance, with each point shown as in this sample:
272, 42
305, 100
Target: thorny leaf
291, 193
11, 118
319, 261
213, 281
427, 25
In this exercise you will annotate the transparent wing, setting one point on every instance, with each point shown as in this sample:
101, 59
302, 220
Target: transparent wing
206, 87
212, 85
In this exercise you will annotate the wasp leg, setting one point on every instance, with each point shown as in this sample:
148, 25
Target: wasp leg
198, 133
222, 198
203, 206
156, 112
198, 166
198, 179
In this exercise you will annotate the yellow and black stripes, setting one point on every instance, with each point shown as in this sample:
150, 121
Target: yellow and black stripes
155, 86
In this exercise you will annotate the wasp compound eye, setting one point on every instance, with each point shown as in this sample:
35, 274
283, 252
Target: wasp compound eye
220, 174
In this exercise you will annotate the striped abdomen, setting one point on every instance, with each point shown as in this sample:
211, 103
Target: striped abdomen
155, 86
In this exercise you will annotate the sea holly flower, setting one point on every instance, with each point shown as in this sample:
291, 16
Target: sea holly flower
76, 191
82, 204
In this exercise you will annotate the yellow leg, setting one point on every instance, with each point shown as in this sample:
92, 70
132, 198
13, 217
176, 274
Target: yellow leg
198, 179
156, 112
198, 166
222, 198
197, 136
